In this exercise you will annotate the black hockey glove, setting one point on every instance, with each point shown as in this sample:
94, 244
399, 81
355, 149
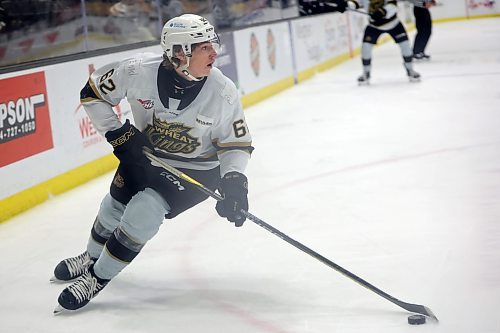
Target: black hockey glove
127, 142
378, 14
234, 189
336, 5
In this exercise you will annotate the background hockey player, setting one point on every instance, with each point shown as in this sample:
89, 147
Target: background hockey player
423, 24
190, 114
383, 19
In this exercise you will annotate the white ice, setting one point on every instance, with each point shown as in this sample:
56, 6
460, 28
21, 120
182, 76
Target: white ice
397, 182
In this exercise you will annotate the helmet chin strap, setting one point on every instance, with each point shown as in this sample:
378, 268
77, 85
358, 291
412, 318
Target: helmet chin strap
184, 70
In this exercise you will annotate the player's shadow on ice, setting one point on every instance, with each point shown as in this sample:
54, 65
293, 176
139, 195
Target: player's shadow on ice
226, 295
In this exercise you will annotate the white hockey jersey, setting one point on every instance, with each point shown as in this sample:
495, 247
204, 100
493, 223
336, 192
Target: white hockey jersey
390, 6
210, 130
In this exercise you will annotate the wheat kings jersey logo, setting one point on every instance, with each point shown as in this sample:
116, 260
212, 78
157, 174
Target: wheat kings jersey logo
171, 137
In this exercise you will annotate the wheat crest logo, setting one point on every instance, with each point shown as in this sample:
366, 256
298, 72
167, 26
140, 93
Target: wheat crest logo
171, 137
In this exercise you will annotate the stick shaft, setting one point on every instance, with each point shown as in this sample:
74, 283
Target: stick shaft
358, 11
407, 306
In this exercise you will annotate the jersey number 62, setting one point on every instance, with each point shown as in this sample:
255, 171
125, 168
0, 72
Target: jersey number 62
107, 85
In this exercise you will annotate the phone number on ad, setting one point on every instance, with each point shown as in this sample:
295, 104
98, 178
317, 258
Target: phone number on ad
14, 132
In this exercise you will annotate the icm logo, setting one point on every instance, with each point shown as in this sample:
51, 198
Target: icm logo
173, 180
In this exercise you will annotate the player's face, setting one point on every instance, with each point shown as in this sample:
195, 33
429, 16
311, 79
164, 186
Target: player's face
202, 59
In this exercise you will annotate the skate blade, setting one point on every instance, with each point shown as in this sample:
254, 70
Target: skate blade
414, 79
366, 83
59, 310
55, 280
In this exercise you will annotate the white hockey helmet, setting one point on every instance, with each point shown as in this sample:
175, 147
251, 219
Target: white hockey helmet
186, 30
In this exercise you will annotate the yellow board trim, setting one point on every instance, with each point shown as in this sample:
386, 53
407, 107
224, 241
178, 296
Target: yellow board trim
326, 65
450, 19
36, 195
266, 92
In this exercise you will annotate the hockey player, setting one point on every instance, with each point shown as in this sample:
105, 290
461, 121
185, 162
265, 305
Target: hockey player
423, 23
189, 113
383, 19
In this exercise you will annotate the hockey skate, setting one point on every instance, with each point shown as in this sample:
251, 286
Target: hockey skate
421, 56
364, 79
412, 75
78, 294
71, 268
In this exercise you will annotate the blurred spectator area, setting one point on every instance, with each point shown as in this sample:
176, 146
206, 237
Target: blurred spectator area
40, 29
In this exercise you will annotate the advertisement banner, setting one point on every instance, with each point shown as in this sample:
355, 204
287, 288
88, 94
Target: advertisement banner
319, 39
481, 7
264, 56
25, 128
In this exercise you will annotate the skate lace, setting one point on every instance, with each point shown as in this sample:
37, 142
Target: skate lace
85, 288
77, 265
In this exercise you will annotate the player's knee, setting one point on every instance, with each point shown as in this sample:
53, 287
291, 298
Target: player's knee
110, 213
144, 215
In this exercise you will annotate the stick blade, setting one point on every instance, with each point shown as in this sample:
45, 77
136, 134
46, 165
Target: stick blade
423, 310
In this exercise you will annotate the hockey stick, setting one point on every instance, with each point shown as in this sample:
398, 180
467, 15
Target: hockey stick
407, 306
358, 11
347, 8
